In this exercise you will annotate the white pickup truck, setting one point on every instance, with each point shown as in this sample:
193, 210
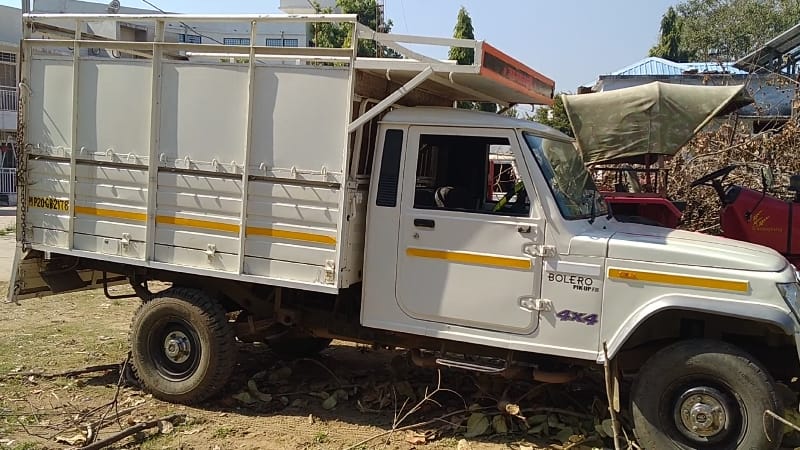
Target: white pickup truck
299, 195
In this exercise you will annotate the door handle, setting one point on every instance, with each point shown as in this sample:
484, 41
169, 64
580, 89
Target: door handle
424, 223
524, 229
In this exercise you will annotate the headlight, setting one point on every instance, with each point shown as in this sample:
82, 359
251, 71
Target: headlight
791, 294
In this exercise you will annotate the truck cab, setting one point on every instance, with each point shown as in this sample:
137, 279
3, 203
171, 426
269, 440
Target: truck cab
550, 272
461, 260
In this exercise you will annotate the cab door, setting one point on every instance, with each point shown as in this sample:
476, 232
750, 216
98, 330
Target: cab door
466, 256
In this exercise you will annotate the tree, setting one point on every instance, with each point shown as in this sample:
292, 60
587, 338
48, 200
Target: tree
554, 116
724, 30
465, 56
669, 45
463, 30
339, 36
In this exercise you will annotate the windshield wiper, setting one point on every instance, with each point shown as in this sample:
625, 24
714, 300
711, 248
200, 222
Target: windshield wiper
594, 207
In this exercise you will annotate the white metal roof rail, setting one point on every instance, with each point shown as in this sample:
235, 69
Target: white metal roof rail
393, 41
329, 18
427, 66
390, 100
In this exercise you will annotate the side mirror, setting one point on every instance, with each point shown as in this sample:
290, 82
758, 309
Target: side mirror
767, 177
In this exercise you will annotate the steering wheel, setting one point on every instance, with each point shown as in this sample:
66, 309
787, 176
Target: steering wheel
721, 173
517, 189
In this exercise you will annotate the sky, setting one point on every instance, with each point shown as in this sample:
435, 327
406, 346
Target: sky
570, 41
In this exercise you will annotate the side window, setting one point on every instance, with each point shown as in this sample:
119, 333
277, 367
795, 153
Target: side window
476, 174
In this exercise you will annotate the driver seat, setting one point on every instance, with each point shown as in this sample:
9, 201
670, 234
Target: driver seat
450, 197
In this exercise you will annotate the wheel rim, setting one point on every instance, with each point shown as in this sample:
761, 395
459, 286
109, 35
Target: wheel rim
175, 348
706, 414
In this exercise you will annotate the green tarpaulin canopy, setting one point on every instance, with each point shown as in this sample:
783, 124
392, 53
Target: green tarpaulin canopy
628, 124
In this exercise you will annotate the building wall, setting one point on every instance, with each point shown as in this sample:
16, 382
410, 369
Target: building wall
8, 123
10, 25
292, 34
303, 7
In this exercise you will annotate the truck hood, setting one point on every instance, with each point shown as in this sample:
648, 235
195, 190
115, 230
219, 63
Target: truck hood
664, 245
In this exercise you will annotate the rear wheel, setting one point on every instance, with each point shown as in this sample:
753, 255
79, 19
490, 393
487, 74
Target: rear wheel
707, 395
183, 349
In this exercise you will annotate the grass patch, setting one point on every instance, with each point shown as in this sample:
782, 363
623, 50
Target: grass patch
320, 438
223, 432
10, 229
157, 441
26, 446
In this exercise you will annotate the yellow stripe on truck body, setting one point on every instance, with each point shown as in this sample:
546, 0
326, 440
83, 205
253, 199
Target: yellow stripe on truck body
480, 259
678, 280
209, 225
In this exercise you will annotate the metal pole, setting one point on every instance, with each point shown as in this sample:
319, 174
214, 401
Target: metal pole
26, 6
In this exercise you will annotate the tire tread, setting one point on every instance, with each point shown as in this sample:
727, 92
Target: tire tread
214, 316
665, 360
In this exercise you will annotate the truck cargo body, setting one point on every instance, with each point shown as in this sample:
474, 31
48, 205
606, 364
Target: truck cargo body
195, 209
246, 168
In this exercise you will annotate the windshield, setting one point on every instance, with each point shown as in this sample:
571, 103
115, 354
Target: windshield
569, 181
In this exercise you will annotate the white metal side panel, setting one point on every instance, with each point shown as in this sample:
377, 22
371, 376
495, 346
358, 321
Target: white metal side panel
110, 210
291, 223
47, 218
197, 222
114, 110
300, 120
295, 198
203, 116
49, 115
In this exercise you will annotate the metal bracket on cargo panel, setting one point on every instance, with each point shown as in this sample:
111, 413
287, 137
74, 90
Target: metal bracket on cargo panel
330, 271
126, 240
539, 251
211, 250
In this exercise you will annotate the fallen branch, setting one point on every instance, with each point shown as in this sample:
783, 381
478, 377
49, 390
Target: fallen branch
130, 431
100, 424
466, 411
114, 404
69, 373
420, 424
574, 444
779, 419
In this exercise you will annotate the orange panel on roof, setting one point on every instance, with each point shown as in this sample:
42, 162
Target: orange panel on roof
510, 72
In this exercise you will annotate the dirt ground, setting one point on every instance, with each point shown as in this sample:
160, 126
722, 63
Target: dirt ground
287, 407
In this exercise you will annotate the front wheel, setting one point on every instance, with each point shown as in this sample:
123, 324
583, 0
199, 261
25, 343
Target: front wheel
703, 394
183, 349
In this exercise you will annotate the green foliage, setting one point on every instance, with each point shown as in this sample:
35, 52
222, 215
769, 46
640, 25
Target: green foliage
26, 446
321, 438
463, 30
465, 56
723, 30
669, 45
340, 35
223, 432
554, 116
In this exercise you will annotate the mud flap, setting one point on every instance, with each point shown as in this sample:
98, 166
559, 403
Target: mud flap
35, 275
